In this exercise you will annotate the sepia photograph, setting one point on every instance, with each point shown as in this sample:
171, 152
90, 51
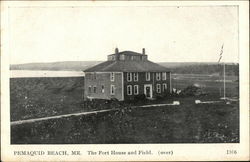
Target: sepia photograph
123, 74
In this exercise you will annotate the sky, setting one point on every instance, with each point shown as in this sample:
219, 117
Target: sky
169, 34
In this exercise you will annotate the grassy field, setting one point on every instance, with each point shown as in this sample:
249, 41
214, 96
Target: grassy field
187, 123
40, 97
210, 83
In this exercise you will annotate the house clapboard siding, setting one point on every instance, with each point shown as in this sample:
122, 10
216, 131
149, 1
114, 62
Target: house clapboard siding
102, 82
126, 75
142, 81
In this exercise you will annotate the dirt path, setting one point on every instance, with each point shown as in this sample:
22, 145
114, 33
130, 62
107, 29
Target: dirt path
77, 114
58, 116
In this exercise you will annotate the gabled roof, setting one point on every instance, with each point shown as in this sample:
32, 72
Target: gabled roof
127, 66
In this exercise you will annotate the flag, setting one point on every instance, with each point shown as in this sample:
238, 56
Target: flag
221, 52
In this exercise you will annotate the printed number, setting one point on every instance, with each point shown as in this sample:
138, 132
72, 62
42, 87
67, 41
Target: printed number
231, 152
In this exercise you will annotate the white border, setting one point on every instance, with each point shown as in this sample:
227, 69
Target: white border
182, 152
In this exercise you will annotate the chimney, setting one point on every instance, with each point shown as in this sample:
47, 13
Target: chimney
143, 51
117, 54
116, 51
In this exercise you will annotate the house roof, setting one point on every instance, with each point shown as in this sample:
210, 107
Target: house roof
127, 66
128, 53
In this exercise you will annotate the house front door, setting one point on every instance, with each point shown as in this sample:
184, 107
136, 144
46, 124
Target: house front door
148, 90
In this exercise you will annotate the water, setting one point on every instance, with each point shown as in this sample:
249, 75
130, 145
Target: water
43, 73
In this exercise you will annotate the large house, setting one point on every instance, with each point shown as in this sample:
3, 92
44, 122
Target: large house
126, 75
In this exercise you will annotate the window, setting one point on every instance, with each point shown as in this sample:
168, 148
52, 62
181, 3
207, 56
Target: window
94, 75
136, 89
89, 89
158, 88
102, 88
164, 76
112, 76
129, 89
164, 87
122, 57
147, 76
129, 77
158, 76
90, 76
112, 89
135, 76
94, 89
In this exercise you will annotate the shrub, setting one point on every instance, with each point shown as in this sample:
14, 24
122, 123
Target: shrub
159, 97
114, 100
192, 90
140, 97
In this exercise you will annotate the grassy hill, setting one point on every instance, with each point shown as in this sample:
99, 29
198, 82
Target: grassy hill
56, 66
39, 97
204, 68
175, 67
188, 123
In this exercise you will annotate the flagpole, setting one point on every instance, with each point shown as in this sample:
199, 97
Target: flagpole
224, 81
224, 72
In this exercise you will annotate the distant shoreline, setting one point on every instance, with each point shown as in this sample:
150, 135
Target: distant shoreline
200, 68
44, 73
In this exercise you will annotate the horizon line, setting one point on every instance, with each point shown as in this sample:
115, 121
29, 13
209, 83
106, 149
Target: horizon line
106, 60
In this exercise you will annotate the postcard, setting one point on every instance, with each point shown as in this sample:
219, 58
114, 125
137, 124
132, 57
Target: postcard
124, 81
